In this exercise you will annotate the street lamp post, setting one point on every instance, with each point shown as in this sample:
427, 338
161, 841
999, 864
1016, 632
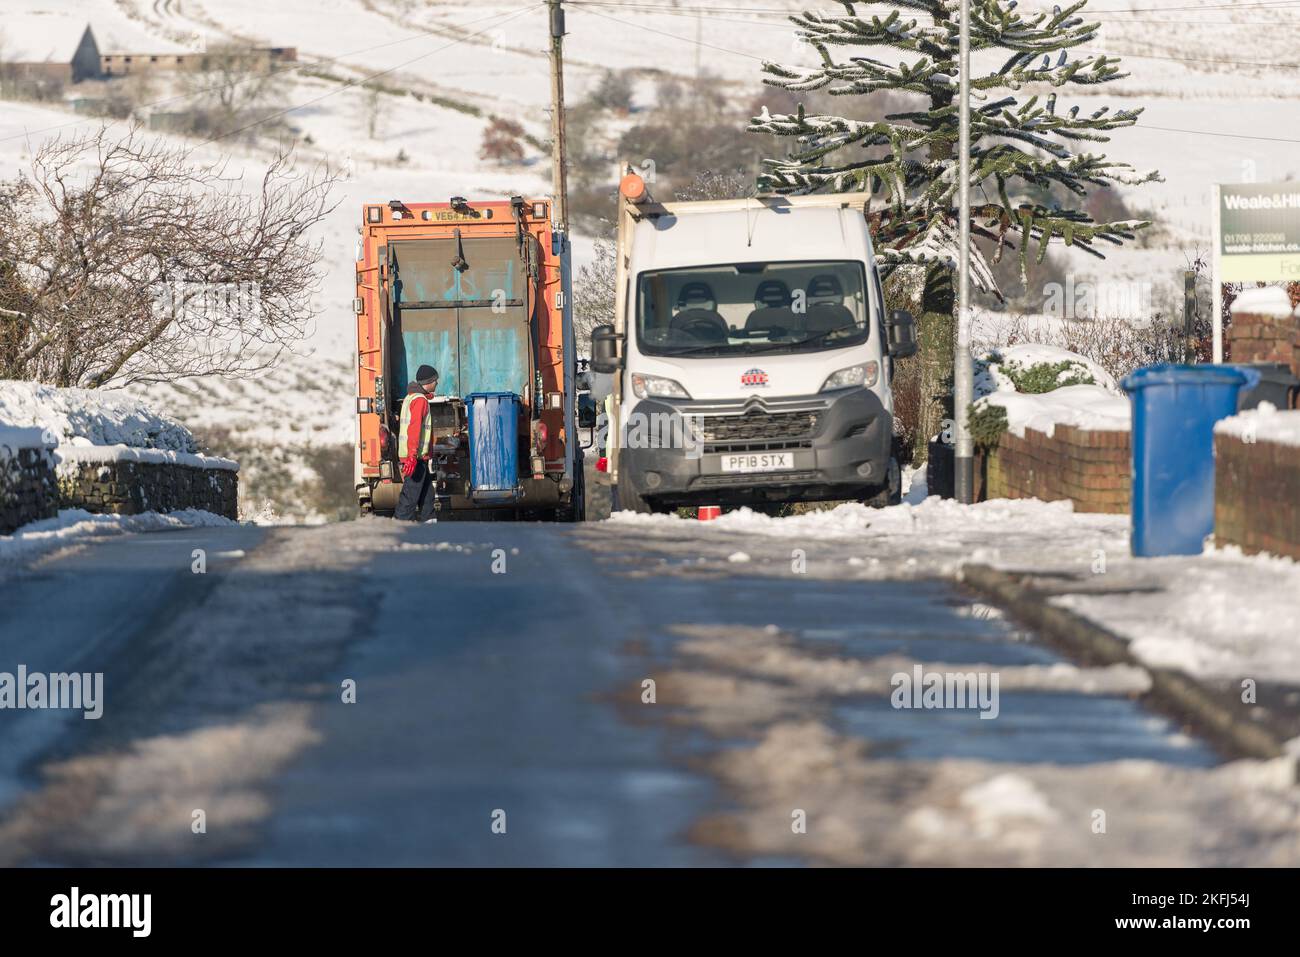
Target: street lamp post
963, 374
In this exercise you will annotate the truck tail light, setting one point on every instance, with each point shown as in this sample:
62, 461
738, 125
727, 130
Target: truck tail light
385, 440
542, 434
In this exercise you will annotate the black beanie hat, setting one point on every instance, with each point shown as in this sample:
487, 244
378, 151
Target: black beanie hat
425, 374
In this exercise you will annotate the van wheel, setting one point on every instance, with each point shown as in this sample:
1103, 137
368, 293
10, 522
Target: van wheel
891, 493
629, 500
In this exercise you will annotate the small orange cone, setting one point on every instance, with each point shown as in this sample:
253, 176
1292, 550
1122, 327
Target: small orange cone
708, 513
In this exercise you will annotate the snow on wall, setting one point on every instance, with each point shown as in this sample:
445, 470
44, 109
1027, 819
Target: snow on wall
1263, 301
13, 438
1088, 407
1100, 407
69, 457
991, 377
1263, 424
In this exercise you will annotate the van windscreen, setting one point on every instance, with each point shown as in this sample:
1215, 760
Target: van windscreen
752, 308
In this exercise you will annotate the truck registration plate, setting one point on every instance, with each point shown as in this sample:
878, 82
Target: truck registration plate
758, 462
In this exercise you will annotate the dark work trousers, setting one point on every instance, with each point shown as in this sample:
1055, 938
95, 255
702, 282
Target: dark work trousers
418, 501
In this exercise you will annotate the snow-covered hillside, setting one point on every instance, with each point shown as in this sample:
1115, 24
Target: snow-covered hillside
1198, 68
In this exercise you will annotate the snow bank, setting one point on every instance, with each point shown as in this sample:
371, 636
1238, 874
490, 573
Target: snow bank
72, 526
1220, 615
938, 518
991, 378
1101, 407
1263, 301
92, 425
1263, 424
1082, 406
83, 417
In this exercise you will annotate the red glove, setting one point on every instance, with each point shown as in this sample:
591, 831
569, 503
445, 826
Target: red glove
602, 464
408, 467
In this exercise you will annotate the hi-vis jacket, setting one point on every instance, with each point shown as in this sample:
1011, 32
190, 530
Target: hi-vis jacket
415, 429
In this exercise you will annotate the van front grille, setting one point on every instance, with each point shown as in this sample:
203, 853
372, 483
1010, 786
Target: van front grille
758, 431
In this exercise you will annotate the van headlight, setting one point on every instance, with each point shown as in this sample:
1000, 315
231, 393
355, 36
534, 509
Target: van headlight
864, 374
655, 386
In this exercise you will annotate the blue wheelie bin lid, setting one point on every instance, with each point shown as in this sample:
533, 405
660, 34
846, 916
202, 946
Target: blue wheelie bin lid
1172, 374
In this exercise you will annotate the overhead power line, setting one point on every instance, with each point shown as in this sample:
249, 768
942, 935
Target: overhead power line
1122, 55
1144, 126
511, 15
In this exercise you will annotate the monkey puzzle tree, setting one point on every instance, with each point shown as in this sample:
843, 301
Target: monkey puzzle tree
1022, 148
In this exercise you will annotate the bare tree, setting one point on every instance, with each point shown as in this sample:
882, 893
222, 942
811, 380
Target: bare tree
124, 261
502, 142
125, 95
715, 184
233, 88
593, 293
373, 108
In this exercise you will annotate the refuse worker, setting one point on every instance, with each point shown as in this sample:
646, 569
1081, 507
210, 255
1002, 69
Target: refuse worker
414, 441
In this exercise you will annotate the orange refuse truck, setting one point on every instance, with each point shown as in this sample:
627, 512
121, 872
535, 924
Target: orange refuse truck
481, 292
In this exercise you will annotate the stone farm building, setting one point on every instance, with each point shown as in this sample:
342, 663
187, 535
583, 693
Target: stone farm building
126, 64
48, 48
59, 48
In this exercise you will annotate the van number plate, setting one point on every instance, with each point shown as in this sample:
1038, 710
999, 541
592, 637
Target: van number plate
758, 462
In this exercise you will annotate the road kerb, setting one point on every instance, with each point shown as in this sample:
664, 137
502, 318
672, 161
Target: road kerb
1173, 693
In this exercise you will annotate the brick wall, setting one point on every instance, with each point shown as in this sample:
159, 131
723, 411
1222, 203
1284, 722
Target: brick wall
1263, 338
1090, 468
1257, 495
131, 487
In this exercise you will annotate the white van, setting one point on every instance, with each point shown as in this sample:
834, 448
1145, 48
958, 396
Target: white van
758, 328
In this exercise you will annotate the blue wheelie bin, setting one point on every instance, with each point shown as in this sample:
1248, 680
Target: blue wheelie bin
1174, 411
493, 446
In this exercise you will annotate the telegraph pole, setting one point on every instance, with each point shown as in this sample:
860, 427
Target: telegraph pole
559, 180
963, 374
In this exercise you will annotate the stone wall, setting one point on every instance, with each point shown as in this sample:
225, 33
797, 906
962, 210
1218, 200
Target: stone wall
129, 487
28, 490
1257, 494
1090, 468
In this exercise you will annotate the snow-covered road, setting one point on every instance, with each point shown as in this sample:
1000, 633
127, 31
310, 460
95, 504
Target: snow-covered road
625, 692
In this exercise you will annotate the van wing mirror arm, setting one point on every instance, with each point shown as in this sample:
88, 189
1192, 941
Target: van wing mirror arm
606, 350
900, 330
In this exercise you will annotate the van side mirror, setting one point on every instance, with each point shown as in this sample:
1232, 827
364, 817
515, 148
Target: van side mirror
900, 328
604, 350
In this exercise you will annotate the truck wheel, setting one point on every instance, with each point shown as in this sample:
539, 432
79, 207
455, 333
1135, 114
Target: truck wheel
629, 500
576, 510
